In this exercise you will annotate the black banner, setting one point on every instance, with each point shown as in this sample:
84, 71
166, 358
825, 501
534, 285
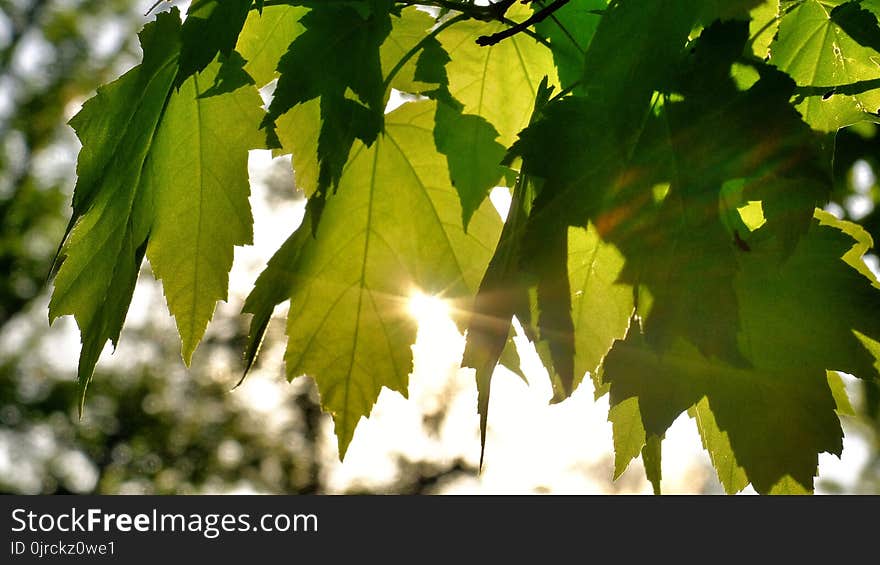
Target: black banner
369, 529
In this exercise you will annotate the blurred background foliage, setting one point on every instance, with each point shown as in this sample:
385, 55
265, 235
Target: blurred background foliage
150, 425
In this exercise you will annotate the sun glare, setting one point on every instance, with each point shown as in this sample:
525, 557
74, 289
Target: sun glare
426, 308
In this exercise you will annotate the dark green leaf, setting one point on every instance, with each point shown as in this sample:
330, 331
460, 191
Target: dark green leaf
474, 155
766, 423
156, 177
651, 456
105, 243
570, 30
211, 27
340, 38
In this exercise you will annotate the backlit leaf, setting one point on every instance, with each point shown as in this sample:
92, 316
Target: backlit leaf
498, 82
394, 226
163, 172
817, 53
197, 175
103, 251
265, 38
352, 95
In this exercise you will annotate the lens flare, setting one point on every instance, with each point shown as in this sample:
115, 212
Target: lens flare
426, 308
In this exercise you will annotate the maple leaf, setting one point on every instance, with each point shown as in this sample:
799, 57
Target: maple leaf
197, 175
663, 235
163, 172
393, 226
817, 52
778, 413
265, 38
510, 71
353, 55
211, 27
569, 31
104, 244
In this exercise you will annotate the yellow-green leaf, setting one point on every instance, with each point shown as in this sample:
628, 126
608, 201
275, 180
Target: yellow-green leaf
393, 227
199, 182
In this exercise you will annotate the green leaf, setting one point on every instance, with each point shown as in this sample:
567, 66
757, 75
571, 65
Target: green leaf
651, 456
473, 155
717, 442
393, 226
817, 53
601, 305
763, 27
569, 30
273, 287
777, 422
265, 38
104, 247
197, 175
352, 95
503, 293
628, 433
498, 82
211, 27
766, 422
826, 268
407, 31
298, 130
468, 141
163, 172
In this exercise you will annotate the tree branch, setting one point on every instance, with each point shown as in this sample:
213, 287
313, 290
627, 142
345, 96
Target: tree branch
486, 40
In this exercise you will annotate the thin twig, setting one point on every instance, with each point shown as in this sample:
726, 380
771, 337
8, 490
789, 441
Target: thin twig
486, 40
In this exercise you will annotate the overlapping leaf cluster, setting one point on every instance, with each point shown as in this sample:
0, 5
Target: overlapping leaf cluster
667, 162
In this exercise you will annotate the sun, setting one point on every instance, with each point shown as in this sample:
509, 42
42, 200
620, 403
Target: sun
426, 308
